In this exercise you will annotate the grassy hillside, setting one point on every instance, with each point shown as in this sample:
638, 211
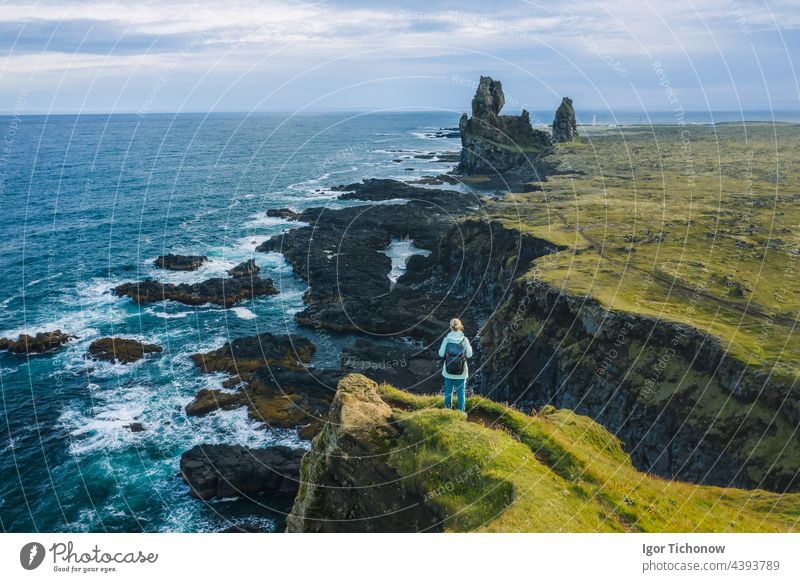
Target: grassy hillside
696, 225
555, 471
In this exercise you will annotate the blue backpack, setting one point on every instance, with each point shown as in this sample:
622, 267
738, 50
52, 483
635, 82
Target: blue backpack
454, 358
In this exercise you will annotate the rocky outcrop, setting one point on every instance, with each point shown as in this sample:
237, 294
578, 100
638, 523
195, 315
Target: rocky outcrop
339, 255
125, 351
219, 291
220, 471
346, 483
180, 262
279, 397
246, 354
416, 369
42, 343
285, 213
246, 269
270, 379
502, 146
565, 127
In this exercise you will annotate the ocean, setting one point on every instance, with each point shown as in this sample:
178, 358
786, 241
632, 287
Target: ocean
88, 202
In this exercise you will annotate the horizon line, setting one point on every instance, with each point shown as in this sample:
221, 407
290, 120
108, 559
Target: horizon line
42, 113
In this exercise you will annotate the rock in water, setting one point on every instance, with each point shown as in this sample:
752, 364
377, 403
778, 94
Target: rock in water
42, 343
227, 292
245, 269
347, 484
246, 354
180, 262
285, 213
506, 146
271, 380
565, 127
231, 470
112, 349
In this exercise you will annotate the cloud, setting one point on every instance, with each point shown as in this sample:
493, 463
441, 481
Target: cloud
602, 47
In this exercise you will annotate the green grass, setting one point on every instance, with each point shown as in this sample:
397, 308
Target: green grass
704, 232
556, 471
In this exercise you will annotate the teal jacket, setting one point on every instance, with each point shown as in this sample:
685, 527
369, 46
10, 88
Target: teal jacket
456, 337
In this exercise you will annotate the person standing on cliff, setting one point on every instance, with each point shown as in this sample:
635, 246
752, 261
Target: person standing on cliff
455, 350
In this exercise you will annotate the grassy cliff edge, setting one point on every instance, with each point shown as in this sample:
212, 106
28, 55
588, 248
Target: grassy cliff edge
501, 470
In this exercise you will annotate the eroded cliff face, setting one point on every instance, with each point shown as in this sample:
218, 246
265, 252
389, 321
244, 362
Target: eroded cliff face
683, 408
500, 145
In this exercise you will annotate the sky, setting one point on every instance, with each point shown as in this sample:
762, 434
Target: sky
167, 56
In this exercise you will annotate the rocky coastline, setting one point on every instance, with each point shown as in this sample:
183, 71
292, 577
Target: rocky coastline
472, 269
535, 347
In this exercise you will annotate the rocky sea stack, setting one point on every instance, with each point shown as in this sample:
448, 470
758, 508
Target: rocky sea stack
565, 128
500, 145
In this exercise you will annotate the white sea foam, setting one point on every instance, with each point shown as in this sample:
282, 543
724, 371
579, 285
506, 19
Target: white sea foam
77, 313
399, 251
163, 314
215, 266
270, 224
243, 313
37, 281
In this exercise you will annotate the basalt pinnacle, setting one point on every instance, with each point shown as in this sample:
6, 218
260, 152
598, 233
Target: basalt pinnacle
502, 146
564, 125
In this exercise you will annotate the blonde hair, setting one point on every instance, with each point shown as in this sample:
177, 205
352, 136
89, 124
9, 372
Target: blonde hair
456, 325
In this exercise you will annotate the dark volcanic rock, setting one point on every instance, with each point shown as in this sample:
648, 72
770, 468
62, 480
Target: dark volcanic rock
413, 369
431, 201
219, 291
112, 349
347, 484
501, 145
565, 127
282, 213
246, 354
277, 396
42, 343
208, 400
135, 427
246, 269
180, 262
218, 471
339, 256
273, 383
436, 180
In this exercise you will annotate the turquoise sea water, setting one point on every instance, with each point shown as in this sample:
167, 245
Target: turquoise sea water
89, 202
